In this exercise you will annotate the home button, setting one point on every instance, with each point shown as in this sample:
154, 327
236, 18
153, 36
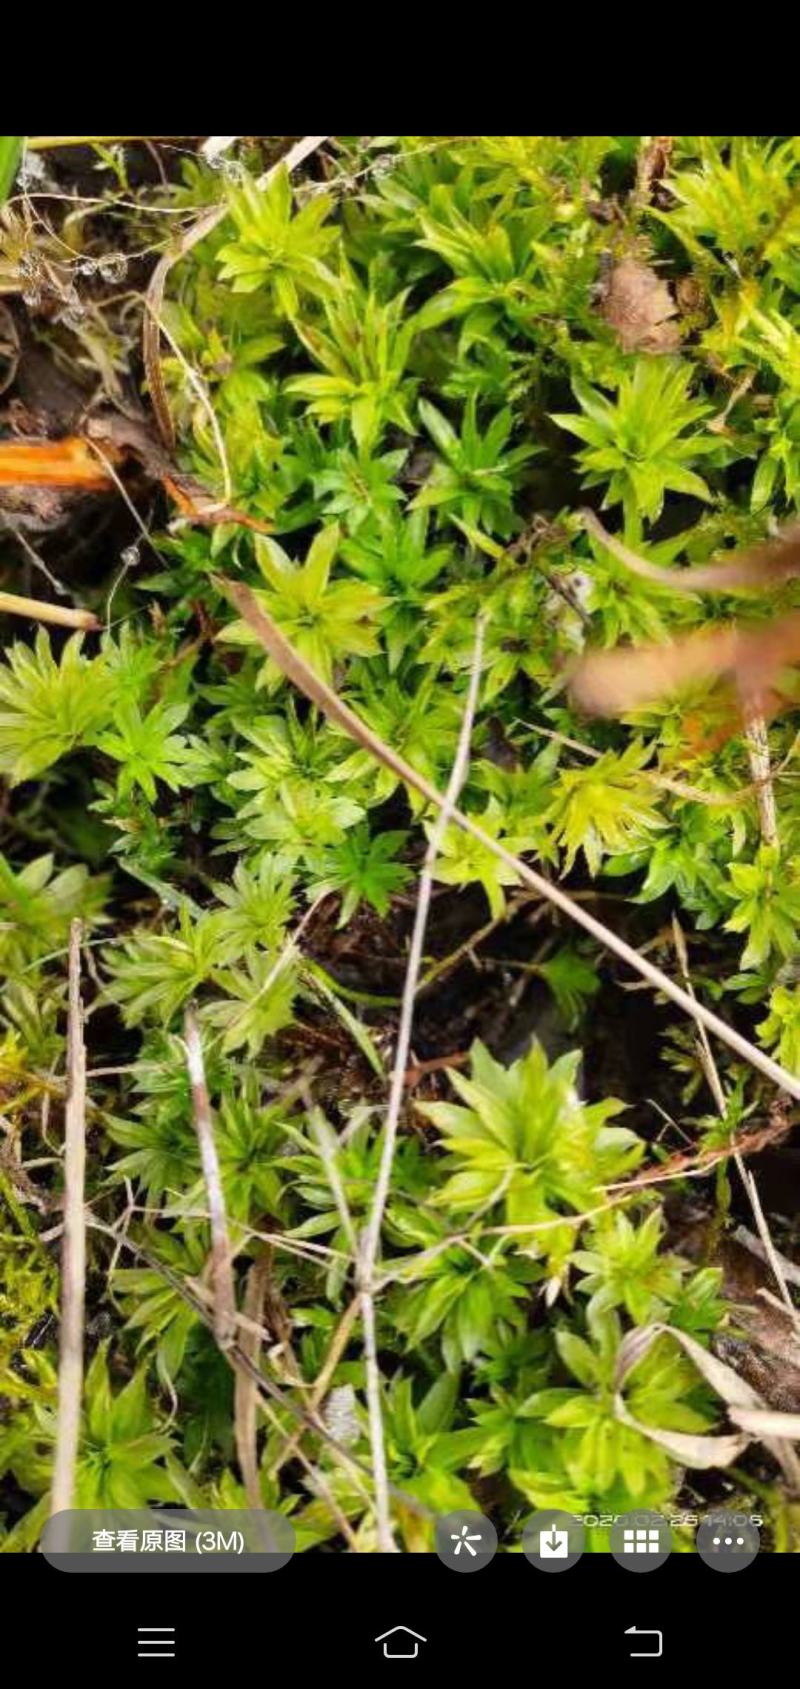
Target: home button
401, 1643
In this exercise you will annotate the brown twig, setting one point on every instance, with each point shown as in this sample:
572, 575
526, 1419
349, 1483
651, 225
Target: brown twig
245, 1392
651, 167
771, 1254
319, 1391
700, 1162
749, 1240
293, 666
437, 1064
317, 1482
221, 1255
707, 1062
15, 528
73, 1249
757, 745
444, 964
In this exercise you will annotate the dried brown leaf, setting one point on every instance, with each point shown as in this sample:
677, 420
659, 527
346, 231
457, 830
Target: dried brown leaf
638, 306
732, 1389
745, 1406
691, 1448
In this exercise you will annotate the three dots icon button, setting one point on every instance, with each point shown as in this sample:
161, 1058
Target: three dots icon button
728, 1542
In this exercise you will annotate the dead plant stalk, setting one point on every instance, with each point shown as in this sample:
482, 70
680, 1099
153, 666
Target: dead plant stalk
73, 1249
60, 615
221, 1269
370, 1246
245, 1391
757, 745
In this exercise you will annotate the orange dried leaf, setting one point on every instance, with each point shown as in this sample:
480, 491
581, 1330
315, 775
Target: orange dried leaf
51, 463
197, 505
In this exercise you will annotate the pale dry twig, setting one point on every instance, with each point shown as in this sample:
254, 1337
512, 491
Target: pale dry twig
73, 1249
370, 1246
221, 1257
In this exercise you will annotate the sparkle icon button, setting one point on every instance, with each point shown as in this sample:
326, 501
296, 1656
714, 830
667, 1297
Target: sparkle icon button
465, 1541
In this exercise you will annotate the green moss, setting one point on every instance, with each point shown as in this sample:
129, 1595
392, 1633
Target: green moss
416, 379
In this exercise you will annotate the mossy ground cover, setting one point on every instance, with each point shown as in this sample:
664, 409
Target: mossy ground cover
397, 375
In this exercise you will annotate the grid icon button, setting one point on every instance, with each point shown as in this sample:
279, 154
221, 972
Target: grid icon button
640, 1541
